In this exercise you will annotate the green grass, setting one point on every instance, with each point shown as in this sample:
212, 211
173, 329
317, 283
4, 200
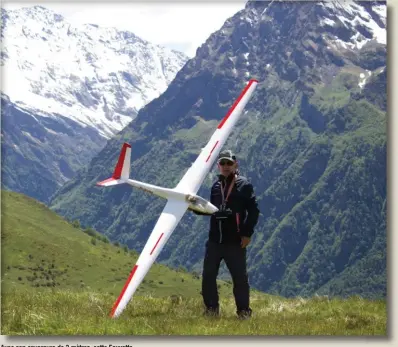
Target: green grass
56, 282
202, 129
42, 250
71, 313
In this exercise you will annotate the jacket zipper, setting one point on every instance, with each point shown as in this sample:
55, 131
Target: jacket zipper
224, 201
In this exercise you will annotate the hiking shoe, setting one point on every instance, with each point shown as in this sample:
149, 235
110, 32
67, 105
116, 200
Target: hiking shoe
212, 312
244, 314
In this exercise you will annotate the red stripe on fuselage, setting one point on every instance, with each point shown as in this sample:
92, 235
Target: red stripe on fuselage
236, 103
123, 291
156, 243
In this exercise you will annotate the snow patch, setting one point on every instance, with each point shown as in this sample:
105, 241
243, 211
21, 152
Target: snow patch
360, 11
51, 131
379, 34
363, 78
33, 139
248, 20
344, 44
265, 10
381, 10
344, 20
327, 21
362, 17
351, 14
359, 40
328, 4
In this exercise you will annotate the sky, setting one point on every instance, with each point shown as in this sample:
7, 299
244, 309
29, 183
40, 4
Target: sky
180, 25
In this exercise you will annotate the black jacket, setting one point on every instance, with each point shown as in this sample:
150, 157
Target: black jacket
243, 204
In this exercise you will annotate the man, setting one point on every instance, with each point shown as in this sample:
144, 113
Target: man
230, 231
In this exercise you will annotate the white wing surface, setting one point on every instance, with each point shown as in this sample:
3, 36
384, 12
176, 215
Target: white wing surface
167, 222
195, 175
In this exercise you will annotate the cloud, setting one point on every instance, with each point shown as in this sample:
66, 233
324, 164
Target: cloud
178, 25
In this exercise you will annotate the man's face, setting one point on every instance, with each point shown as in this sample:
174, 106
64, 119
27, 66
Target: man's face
226, 167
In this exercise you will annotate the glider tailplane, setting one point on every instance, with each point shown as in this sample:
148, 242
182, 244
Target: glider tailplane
122, 169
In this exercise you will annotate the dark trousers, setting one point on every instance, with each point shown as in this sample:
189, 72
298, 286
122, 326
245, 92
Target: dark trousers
235, 259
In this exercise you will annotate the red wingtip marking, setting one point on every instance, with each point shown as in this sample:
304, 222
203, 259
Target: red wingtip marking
119, 166
123, 291
211, 152
156, 243
236, 103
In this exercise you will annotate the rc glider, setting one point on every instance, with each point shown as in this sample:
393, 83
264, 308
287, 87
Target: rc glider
179, 199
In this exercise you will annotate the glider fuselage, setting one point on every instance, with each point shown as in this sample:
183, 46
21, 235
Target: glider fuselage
195, 201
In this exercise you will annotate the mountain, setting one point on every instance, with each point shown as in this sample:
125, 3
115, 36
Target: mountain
39, 154
67, 90
312, 142
98, 77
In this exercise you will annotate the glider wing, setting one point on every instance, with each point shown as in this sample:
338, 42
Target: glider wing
195, 175
167, 222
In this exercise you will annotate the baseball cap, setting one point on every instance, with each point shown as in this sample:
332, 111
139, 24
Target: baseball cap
228, 155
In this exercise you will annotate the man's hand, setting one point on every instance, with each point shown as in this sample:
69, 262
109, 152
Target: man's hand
244, 241
192, 199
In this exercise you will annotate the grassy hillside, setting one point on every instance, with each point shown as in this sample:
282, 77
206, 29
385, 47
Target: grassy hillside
58, 280
42, 250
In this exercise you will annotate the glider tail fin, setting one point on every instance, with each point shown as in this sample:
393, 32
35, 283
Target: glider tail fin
122, 169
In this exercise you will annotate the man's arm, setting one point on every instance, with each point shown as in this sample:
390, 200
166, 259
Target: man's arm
252, 210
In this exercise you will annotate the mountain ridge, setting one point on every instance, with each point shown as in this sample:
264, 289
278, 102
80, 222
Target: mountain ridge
70, 74
68, 89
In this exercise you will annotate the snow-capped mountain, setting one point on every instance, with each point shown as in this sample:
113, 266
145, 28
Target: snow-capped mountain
67, 89
98, 77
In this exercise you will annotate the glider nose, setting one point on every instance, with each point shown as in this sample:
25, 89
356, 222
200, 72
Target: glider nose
211, 208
